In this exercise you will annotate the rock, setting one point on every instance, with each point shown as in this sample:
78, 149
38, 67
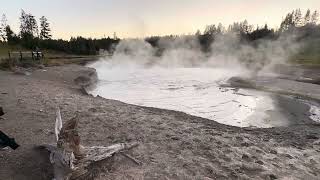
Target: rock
245, 157
312, 161
21, 71
175, 138
245, 144
87, 80
272, 176
94, 110
239, 138
82, 80
273, 151
289, 156
311, 136
1, 111
260, 162
241, 82
41, 66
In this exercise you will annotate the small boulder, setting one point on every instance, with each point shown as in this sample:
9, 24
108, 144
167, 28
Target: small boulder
272, 176
241, 82
1, 111
273, 151
245, 157
260, 162
312, 136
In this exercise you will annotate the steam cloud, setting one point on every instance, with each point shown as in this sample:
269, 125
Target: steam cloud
227, 51
178, 70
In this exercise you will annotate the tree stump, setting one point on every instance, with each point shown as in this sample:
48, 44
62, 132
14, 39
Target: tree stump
70, 160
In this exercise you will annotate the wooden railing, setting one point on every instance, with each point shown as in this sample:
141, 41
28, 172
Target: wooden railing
25, 55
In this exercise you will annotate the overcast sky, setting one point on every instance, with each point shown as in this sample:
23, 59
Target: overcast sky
139, 18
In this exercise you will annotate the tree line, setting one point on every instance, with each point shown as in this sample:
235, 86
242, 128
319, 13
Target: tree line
306, 26
38, 36
33, 35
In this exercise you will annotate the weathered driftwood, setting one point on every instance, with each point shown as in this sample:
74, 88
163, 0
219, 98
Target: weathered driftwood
71, 160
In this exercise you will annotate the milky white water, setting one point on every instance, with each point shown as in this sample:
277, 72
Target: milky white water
195, 91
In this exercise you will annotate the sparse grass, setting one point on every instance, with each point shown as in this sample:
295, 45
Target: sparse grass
306, 59
309, 53
62, 61
52, 58
4, 65
3, 51
5, 48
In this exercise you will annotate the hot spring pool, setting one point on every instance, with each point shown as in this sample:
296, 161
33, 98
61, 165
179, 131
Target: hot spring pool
195, 91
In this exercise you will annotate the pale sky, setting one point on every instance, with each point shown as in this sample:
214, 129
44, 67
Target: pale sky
140, 18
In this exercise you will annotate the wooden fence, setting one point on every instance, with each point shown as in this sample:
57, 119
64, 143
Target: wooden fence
18, 57
25, 55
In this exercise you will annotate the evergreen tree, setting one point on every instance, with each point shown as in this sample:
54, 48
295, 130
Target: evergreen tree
44, 28
245, 28
23, 22
287, 23
315, 18
33, 25
210, 30
220, 29
28, 30
3, 25
11, 37
235, 28
298, 18
28, 25
198, 33
307, 17
9, 33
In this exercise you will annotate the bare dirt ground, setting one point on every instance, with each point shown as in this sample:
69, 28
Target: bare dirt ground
173, 145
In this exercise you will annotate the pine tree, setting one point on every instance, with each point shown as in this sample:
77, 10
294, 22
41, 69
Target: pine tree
315, 18
298, 18
23, 22
307, 17
33, 25
245, 27
28, 25
210, 30
220, 29
288, 23
198, 33
11, 37
3, 25
45, 28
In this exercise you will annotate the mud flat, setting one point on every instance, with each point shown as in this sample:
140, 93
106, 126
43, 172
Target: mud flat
173, 145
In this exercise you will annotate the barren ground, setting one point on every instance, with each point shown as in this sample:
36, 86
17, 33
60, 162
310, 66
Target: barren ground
173, 145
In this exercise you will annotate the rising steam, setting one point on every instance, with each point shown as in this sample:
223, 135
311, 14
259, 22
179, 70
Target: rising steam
178, 70
226, 51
